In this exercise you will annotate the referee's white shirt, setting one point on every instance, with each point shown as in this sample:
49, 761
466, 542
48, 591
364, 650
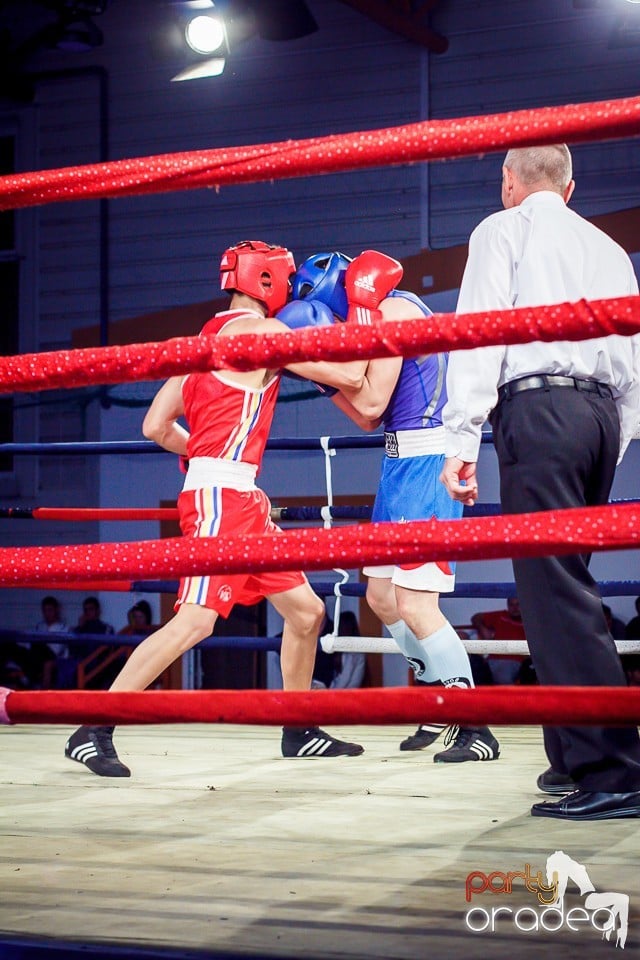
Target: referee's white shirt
539, 252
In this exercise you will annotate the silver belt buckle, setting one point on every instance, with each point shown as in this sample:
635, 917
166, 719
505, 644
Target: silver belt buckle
391, 444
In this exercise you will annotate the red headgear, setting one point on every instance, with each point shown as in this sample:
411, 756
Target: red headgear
259, 270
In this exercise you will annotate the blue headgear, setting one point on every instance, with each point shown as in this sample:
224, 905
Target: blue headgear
321, 277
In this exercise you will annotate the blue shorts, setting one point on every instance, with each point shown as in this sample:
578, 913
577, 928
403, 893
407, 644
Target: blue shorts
410, 489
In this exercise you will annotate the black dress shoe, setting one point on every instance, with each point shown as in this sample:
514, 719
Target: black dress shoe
581, 805
555, 783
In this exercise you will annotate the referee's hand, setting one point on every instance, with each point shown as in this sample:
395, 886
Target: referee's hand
459, 477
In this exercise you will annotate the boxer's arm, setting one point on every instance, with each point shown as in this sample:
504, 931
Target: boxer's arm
161, 420
372, 397
339, 375
341, 402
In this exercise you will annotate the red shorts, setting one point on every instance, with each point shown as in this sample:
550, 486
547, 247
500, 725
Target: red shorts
224, 512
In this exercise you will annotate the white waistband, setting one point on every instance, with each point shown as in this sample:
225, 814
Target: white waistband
211, 472
414, 443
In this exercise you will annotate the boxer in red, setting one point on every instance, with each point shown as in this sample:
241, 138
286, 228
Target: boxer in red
229, 415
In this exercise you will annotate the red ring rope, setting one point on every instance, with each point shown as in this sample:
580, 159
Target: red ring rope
549, 532
615, 706
410, 143
342, 341
105, 513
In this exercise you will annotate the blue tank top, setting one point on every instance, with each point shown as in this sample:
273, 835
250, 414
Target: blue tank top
421, 390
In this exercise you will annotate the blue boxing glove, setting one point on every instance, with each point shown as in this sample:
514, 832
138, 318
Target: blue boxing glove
307, 313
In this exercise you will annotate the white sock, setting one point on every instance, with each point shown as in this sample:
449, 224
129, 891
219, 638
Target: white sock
446, 659
409, 645
439, 657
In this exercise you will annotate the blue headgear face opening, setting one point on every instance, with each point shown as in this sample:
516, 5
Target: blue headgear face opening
321, 277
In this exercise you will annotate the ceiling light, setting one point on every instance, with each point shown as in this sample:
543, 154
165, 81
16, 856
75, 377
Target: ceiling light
205, 34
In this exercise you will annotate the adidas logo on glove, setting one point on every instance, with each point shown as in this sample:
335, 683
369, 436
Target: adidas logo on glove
366, 283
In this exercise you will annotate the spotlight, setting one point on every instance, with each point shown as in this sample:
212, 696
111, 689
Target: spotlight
205, 34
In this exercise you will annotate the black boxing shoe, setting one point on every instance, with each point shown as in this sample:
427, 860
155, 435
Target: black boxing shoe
469, 743
555, 783
94, 747
314, 742
425, 735
582, 805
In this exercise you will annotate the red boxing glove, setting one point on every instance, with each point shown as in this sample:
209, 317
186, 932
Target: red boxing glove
368, 280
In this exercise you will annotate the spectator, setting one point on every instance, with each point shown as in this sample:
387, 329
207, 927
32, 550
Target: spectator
31, 666
615, 624
502, 625
90, 620
56, 670
139, 621
28, 666
632, 629
52, 621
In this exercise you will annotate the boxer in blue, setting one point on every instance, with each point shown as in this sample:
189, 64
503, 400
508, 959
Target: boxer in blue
407, 397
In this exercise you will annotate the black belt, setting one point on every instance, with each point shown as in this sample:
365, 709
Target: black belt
546, 380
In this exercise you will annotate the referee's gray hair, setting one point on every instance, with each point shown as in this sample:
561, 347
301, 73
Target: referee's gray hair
537, 165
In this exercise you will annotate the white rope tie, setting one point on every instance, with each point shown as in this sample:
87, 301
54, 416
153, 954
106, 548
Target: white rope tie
328, 453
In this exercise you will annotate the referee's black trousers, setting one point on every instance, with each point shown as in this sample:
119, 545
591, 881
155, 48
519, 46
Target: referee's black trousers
557, 447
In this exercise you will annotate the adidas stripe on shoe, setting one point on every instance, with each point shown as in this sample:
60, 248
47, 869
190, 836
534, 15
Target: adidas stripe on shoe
470, 743
314, 742
93, 746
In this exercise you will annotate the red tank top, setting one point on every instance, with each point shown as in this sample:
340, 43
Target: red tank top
226, 420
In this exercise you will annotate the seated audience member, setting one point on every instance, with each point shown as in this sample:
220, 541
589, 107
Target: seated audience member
502, 625
90, 620
632, 629
52, 622
139, 620
615, 624
36, 662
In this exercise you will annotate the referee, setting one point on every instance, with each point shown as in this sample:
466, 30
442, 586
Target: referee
562, 416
